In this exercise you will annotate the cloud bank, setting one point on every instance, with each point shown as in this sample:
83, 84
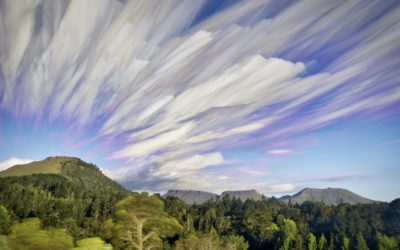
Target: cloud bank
177, 87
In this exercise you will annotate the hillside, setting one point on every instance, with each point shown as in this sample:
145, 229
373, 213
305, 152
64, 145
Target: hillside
77, 173
51, 165
61, 191
329, 196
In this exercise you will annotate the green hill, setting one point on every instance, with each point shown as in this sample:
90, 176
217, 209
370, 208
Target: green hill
63, 191
51, 165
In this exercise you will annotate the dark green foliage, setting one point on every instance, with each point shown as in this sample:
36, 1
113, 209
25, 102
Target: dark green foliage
4, 220
272, 224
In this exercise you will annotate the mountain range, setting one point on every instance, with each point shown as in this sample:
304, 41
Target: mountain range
329, 196
91, 177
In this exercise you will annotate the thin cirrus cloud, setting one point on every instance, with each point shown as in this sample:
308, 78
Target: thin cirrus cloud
279, 151
177, 92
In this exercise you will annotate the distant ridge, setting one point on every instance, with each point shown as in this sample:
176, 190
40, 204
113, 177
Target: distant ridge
329, 196
243, 194
191, 196
199, 197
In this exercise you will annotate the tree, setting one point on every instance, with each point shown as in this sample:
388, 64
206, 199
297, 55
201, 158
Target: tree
331, 242
288, 234
4, 220
311, 241
142, 222
361, 243
386, 243
197, 242
345, 243
322, 242
234, 242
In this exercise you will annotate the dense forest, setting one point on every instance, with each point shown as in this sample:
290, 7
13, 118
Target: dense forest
80, 208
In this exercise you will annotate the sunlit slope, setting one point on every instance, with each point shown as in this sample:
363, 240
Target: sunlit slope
51, 165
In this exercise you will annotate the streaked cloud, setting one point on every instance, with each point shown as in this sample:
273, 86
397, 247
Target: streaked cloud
175, 93
279, 151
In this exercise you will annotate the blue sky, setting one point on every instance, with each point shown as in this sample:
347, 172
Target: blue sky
208, 95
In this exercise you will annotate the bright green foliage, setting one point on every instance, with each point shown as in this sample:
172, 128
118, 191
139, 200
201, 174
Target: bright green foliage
3, 243
361, 243
288, 234
141, 222
387, 243
28, 235
345, 243
94, 243
196, 242
4, 220
322, 243
311, 241
234, 242
211, 241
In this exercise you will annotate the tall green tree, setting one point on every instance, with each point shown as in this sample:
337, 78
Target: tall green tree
288, 234
142, 223
345, 243
311, 241
322, 243
361, 243
387, 243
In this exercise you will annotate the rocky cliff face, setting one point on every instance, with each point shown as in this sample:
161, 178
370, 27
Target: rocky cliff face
329, 196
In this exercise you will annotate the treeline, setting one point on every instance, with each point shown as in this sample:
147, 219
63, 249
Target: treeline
272, 224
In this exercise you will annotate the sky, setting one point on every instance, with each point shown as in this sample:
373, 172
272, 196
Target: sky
207, 95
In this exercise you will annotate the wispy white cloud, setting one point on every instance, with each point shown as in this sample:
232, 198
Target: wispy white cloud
176, 93
12, 162
279, 151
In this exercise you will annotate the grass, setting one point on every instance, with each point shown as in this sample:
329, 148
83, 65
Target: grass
51, 165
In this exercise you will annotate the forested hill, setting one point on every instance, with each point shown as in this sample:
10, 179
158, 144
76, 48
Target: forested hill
60, 191
329, 196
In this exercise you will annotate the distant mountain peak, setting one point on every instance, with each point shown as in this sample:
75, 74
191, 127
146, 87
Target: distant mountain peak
329, 196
